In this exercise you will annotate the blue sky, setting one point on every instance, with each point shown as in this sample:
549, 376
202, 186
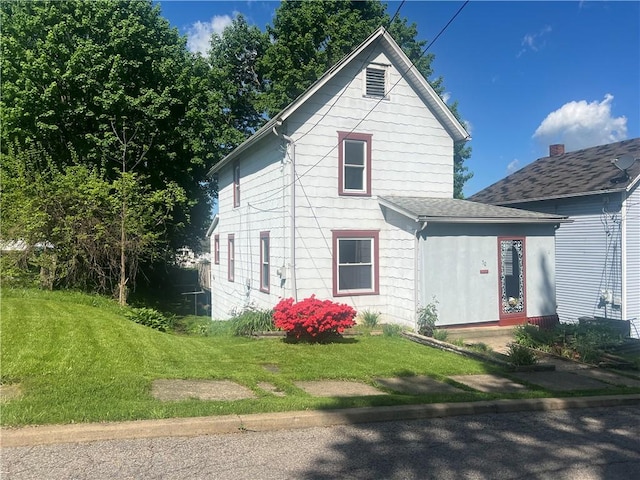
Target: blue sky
525, 74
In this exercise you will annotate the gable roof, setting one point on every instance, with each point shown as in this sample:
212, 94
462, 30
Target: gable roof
452, 210
583, 172
408, 71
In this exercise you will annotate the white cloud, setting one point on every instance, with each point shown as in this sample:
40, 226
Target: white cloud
581, 125
534, 41
446, 96
199, 33
513, 166
468, 126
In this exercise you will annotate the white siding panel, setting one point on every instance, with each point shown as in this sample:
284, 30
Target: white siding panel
632, 295
264, 206
588, 254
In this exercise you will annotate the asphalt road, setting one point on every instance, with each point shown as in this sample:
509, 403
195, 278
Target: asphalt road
584, 444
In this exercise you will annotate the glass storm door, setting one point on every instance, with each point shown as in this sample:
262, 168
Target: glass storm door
512, 280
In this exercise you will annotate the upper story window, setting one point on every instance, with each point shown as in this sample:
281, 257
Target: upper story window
376, 81
216, 249
236, 184
354, 164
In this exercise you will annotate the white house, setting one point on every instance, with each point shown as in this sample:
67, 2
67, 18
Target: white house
347, 194
598, 254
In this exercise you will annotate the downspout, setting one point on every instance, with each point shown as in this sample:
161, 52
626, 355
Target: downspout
416, 266
292, 199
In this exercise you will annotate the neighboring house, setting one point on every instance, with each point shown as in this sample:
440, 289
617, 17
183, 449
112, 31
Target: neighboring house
598, 255
347, 194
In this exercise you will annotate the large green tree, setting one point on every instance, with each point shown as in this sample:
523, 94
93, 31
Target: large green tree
307, 38
113, 82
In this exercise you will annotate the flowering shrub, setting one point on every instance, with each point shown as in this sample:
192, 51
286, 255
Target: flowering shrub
312, 318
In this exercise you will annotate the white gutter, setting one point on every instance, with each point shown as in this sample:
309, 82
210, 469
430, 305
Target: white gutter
292, 193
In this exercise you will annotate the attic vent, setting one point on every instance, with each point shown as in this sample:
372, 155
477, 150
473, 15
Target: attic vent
375, 82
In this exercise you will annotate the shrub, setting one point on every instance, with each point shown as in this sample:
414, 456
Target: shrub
369, 318
150, 318
313, 319
251, 321
440, 334
427, 318
391, 329
521, 355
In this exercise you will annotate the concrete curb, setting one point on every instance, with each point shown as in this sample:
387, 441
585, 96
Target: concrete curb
190, 427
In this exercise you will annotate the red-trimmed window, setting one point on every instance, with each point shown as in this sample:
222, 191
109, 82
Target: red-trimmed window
216, 249
355, 262
354, 164
265, 259
231, 264
236, 184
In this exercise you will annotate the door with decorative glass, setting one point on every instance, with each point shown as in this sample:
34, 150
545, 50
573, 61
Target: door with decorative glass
511, 263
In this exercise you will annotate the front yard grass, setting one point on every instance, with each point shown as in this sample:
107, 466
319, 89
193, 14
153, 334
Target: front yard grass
77, 358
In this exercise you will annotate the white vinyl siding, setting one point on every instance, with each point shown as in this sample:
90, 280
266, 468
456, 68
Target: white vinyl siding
632, 294
588, 254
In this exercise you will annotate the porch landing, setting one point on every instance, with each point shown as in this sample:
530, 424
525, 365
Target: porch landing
497, 338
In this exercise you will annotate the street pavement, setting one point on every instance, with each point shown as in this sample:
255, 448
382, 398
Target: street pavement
584, 444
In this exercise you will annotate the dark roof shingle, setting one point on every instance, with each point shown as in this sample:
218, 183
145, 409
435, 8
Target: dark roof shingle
581, 172
451, 210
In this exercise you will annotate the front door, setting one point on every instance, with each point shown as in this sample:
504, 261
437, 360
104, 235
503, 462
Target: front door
511, 265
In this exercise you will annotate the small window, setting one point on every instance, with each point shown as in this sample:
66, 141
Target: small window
354, 163
231, 266
264, 261
236, 184
355, 259
216, 249
375, 82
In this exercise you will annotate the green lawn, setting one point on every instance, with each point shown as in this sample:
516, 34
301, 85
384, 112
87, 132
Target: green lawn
78, 359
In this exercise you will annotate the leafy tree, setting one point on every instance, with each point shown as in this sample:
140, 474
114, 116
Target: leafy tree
310, 37
87, 74
237, 81
76, 223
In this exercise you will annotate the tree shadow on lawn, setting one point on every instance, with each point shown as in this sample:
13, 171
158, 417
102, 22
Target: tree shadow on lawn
557, 444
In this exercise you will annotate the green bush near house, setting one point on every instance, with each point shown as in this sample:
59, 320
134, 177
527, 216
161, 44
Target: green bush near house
369, 318
252, 321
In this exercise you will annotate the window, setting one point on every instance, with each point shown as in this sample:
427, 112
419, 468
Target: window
236, 184
355, 262
216, 249
264, 262
354, 164
375, 84
231, 266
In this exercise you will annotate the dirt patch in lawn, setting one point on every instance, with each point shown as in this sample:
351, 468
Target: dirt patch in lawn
10, 392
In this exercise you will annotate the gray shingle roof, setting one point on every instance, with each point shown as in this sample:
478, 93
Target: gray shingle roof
451, 210
581, 172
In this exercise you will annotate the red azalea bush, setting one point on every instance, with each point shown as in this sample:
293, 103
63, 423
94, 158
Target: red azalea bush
312, 318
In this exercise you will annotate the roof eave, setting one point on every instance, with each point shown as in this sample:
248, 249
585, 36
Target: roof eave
493, 220
561, 197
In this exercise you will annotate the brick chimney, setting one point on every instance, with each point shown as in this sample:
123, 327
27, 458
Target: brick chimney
556, 149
